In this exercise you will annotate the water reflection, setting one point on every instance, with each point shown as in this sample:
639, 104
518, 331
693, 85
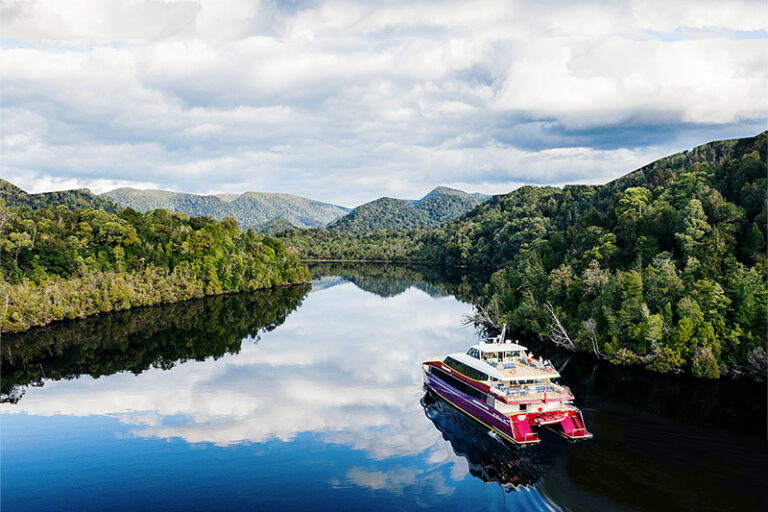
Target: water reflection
341, 373
490, 458
331, 398
143, 338
390, 280
342, 369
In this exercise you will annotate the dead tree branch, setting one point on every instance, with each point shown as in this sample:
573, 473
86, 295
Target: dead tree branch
590, 327
483, 319
557, 333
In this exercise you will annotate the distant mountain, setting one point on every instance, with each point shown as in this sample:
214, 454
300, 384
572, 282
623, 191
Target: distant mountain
438, 206
250, 209
448, 191
74, 199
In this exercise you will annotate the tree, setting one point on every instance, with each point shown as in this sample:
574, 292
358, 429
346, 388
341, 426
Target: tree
704, 364
695, 228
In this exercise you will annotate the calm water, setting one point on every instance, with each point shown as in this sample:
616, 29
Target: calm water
312, 399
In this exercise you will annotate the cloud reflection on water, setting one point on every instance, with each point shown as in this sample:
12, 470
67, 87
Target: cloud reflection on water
344, 367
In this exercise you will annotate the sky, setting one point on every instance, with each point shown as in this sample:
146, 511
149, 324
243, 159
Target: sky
345, 101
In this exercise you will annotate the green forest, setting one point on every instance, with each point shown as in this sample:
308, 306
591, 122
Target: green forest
58, 263
664, 267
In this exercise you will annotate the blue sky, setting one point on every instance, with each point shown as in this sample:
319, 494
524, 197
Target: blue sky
347, 101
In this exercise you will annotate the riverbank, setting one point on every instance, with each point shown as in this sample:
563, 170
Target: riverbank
58, 264
28, 304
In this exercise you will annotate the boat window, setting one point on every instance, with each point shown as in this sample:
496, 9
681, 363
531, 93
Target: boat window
462, 386
473, 352
465, 369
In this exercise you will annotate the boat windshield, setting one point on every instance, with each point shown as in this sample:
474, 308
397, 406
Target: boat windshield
507, 356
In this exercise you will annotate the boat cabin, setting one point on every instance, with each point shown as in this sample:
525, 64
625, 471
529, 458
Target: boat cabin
512, 360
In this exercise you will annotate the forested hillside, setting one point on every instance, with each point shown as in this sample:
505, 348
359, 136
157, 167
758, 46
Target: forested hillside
336, 245
664, 267
74, 199
57, 263
273, 226
250, 209
438, 206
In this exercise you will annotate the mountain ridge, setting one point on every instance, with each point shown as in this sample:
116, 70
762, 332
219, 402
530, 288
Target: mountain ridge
74, 199
438, 206
250, 209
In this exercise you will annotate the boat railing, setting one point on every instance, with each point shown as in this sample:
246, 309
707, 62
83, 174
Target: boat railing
529, 391
503, 365
544, 365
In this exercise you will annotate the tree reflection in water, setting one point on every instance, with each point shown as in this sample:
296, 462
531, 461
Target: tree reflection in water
143, 338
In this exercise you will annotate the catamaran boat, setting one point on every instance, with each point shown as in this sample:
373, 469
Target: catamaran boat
501, 385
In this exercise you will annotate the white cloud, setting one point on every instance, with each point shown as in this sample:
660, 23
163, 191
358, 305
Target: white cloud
617, 80
203, 130
369, 99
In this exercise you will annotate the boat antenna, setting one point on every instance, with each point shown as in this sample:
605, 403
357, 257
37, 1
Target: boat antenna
503, 335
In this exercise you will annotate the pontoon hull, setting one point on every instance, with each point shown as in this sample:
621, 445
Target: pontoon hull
515, 429
477, 409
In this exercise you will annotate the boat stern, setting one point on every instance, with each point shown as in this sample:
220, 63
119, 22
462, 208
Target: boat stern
521, 430
572, 427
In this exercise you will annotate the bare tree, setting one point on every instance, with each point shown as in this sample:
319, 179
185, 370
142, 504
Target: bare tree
557, 332
5, 216
757, 361
757, 365
590, 327
483, 319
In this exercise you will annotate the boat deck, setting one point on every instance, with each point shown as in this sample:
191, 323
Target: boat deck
535, 393
522, 370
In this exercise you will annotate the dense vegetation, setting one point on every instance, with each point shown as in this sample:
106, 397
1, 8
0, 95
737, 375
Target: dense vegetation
56, 263
440, 205
273, 226
336, 245
665, 267
74, 199
144, 338
249, 209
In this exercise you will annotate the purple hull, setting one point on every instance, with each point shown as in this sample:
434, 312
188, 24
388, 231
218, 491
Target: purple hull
472, 406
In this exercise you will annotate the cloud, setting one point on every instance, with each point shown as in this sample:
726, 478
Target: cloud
365, 100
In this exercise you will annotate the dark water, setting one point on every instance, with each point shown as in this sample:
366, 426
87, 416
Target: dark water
312, 399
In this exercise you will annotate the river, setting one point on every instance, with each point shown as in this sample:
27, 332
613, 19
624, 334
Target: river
311, 398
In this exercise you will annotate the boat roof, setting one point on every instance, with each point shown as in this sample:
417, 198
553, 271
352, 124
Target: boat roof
498, 347
523, 372
477, 365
